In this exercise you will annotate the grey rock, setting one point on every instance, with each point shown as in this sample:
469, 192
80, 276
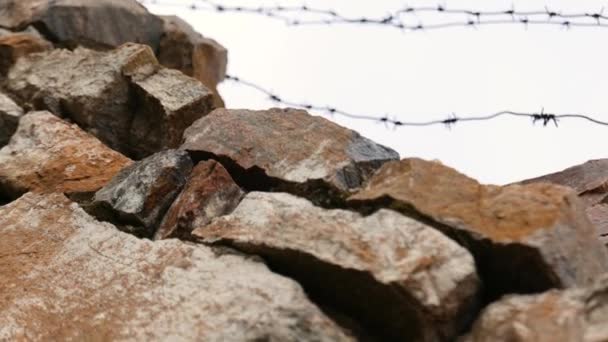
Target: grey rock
10, 113
66, 276
300, 152
99, 23
400, 278
141, 193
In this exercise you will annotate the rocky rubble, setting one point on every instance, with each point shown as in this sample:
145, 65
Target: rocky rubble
266, 225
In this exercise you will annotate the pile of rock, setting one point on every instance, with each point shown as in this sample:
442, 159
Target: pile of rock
135, 207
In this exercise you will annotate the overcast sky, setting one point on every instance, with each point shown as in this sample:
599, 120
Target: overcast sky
427, 75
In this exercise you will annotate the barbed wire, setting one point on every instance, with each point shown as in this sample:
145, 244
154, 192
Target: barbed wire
405, 18
391, 120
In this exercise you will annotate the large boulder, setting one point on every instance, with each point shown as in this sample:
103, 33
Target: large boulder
525, 238
210, 192
182, 48
286, 149
403, 280
123, 96
577, 315
98, 24
139, 195
10, 114
66, 276
48, 154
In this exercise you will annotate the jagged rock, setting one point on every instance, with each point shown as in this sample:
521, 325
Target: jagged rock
210, 192
182, 48
16, 45
589, 180
83, 22
141, 193
287, 149
403, 279
598, 214
10, 113
48, 154
66, 276
124, 97
577, 315
525, 238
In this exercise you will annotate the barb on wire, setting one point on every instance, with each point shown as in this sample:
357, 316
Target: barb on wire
544, 118
402, 18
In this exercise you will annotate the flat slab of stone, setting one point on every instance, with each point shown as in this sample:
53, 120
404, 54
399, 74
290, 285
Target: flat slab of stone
579, 314
10, 113
526, 238
48, 154
401, 279
66, 276
123, 96
141, 193
288, 146
84, 22
210, 192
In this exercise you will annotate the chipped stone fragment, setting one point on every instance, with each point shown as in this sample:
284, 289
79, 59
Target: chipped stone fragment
526, 238
210, 192
10, 113
400, 278
141, 193
49, 154
66, 276
578, 314
287, 148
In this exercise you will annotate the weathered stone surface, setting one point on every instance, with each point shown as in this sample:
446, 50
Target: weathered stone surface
210, 192
579, 315
10, 113
598, 214
48, 154
525, 238
66, 276
16, 45
82, 22
124, 97
141, 193
403, 279
589, 180
182, 48
291, 148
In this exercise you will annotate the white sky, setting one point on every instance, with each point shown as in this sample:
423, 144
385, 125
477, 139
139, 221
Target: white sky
427, 75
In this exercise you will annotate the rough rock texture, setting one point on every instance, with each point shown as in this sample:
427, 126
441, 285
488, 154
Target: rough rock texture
66, 276
124, 97
210, 192
525, 238
16, 45
577, 315
82, 22
292, 150
598, 214
48, 154
10, 113
182, 48
140, 194
417, 283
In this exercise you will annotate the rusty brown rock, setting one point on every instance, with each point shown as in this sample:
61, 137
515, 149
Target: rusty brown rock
140, 194
10, 113
286, 149
526, 238
16, 45
123, 96
210, 192
182, 48
82, 22
401, 279
579, 314
48, 154
68, 277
